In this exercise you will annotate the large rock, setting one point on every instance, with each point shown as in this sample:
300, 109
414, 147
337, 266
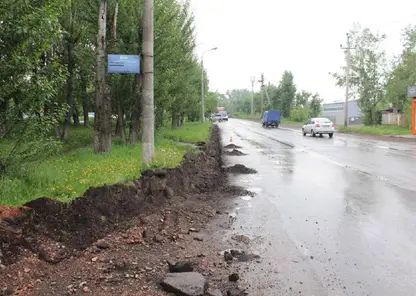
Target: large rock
185, 283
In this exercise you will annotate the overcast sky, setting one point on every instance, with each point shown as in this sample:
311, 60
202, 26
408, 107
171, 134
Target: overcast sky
302, 36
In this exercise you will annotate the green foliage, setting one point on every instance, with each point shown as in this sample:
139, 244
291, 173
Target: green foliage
282, 97
299, 114
315, 106
403, 73
67, 176
30, 79
372, 81
286, 92
191, 132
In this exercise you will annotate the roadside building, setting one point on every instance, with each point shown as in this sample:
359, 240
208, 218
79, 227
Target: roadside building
335, 112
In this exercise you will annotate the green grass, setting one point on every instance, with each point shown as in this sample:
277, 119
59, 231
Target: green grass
191, 132
70, 175
380, 130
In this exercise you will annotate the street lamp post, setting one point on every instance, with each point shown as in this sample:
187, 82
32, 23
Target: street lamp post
202, 83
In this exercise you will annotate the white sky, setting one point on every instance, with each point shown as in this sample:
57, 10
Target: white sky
302, 36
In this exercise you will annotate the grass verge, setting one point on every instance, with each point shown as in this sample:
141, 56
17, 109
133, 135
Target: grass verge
71, 174
380, 130
191, 132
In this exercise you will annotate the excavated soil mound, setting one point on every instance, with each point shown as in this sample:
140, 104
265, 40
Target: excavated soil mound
234, 152
232, 146
240, 169
77, 224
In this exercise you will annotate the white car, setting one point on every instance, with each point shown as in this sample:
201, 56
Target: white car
224, 115
217, 117
319, 126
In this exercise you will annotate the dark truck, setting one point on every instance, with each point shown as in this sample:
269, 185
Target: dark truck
271, 118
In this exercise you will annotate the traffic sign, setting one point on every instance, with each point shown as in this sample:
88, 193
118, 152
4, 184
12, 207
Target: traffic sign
123, 64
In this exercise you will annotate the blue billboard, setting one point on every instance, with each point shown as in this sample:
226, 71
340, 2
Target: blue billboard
123, 64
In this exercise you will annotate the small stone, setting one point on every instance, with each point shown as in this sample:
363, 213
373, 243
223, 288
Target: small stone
198, 238
102, 245
215, 292
233, 292
94, 259
158, 238
235, 253
26, 269
70, 287
201, 255
193, 230
182, 266
311, 257
86, 289
81, 284
148, 268
2, 266
241, 238
233, 277
144, 220
228, 256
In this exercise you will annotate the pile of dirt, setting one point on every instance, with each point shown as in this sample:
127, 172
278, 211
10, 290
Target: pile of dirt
234, 152
232, 146
76, 225
240, 169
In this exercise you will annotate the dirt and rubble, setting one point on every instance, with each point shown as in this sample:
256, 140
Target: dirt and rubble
234, 152
126, 239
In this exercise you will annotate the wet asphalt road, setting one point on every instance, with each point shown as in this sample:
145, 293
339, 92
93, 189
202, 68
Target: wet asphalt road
331, 216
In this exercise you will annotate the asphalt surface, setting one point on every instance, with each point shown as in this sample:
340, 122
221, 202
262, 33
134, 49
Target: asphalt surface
331, 216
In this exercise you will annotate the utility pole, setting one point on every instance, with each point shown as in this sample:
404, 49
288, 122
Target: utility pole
148, 133
202, 84
347, 77
252, 94
261, 93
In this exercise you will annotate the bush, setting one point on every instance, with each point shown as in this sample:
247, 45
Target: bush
299, 114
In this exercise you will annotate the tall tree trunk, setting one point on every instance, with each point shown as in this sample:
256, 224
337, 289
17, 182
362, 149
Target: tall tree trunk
120, 122
174, 123
75, 116
115, 17
3, 120
117, 131
102, 124
148, 135
69, 92
135, 116
85, 102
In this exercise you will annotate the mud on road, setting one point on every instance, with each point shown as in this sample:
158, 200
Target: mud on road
116, 240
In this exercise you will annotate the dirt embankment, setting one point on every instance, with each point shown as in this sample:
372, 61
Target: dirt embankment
117, 240
77, 224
